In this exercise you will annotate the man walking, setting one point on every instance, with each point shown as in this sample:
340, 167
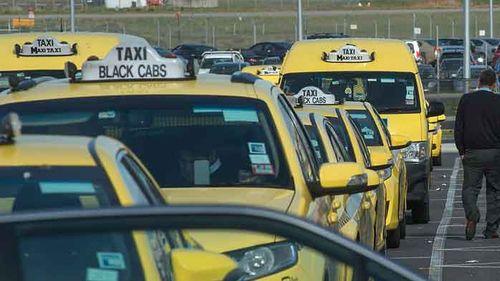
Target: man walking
477, 137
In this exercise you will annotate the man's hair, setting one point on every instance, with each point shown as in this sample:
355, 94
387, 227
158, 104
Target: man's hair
487, 77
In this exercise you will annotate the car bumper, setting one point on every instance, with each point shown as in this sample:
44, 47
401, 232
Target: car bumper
417, 175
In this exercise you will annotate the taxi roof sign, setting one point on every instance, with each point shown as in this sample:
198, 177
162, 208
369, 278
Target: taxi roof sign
44, 46
348, 54
312, 95
269, 70
133, 61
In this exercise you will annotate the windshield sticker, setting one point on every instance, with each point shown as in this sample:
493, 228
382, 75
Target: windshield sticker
240, 115
110, 260
257, 148
97, 274
259, 159
410, 95
263, 170
107, 115
387, 80
314, 95
372, 79
66, 187
206, 110
368, 133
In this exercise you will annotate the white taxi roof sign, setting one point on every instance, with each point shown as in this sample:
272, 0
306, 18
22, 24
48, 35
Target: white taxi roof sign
45, 46
269, 70
133, 61
312, 95
348, 54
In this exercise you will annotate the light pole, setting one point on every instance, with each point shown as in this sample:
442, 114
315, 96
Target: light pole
491, 19
467, 40
299, 20
72, 14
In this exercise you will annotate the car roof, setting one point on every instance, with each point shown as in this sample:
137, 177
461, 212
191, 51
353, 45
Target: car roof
38, 150
306, 56
324, 110
88, 44
206, 85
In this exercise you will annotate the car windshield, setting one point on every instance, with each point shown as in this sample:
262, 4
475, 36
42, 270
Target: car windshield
52, 187
317, 143
342, 133
367, 127
491, 41
209, 62
388, 92
452, 64
451, 42
184, 141
24, 75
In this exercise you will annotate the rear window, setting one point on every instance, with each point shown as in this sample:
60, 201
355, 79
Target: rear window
367, 127
209, 62
52, 187
184, 141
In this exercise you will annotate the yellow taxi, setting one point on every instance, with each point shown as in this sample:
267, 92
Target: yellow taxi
269, 73
350, 214
384, 73
217, 139
354, 149
35, 55
40, 172
437, 137
378, 138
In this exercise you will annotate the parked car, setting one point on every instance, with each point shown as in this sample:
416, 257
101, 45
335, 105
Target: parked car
192, 50
449, 67
166, 53
228, 68
429, 77
255, 54
459, 82
415, 50
326, 35
208, 59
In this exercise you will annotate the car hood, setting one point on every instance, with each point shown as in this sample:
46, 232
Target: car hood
274, 198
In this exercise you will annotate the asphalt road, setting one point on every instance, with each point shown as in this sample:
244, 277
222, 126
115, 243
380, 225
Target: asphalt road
438, 250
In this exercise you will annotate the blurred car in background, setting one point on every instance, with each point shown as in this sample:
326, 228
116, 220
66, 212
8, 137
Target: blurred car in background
228, 68
208, 59
449, 67
258, 52
459, 84
429, 77
326, 35
192, 50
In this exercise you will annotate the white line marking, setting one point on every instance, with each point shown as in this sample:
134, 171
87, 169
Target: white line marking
436, 270
409, 258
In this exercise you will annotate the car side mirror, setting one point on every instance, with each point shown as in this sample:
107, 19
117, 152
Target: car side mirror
441, 118
436, 108
201, 265
345, 178
380, 160
399, 142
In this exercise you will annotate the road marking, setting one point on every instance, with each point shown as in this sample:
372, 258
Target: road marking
409, 258
437, 257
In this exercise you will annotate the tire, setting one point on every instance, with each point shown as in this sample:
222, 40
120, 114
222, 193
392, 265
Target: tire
393, 238
402, 227
436, 161
420, 211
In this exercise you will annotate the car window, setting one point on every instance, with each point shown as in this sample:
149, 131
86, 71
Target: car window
239, 147
209, 62
362, 145
389, 92
317, 143
367, 126
302, 147
28, 188
341, 131
341, 153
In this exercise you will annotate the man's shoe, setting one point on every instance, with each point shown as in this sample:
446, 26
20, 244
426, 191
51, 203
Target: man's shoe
470, 230
493, 235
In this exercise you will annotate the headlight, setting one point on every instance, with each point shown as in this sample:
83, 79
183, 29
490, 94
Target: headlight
385, 173
267, 259
416, 152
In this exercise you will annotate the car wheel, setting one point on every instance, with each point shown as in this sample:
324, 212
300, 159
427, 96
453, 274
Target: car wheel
420, 211
402, 227
393, 238
436, 161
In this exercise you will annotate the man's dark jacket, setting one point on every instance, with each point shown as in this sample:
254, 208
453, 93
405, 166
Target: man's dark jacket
477, 124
